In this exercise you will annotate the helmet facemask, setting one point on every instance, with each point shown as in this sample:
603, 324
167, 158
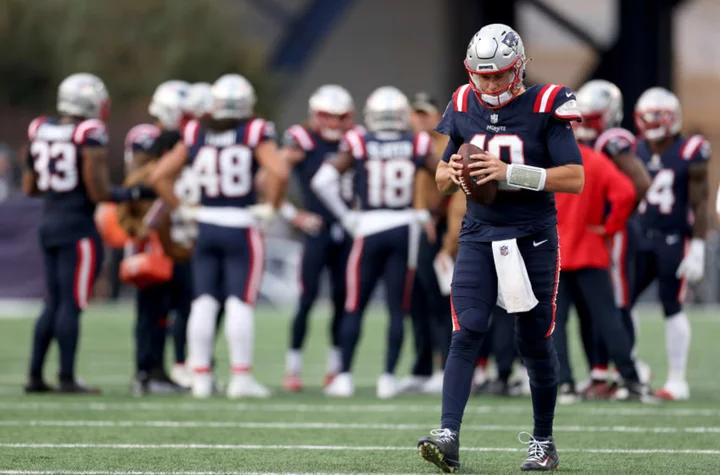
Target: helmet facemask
654, 124
331, 127
496, 99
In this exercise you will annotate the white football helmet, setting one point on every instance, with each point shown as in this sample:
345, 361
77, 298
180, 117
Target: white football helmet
601, 104
658, 114
495, 49
233, 98
83, 95
199, 100
331, 111
168, 104
387, 109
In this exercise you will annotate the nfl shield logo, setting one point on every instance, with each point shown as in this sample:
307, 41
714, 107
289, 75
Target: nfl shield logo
503, 250
494, 118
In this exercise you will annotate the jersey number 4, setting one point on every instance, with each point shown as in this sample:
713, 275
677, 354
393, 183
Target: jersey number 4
227, 171
56, 165
660, 193
514, 145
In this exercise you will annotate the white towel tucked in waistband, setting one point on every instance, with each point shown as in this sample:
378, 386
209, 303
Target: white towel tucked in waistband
515, 292
226, 216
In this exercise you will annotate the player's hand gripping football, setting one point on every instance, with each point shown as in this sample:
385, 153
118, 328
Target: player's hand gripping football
487, 167
455, 168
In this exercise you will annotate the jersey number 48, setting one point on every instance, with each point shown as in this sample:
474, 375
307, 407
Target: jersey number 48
226, 172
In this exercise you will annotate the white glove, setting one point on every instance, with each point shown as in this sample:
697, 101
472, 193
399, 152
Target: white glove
350, 222
692, 266
187, 212
264, 212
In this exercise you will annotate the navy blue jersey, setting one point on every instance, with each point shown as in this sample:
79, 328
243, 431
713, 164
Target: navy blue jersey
614, 142
385, 167
666, 206
224, 162
532, 129
55, 150
317, 150
140, 139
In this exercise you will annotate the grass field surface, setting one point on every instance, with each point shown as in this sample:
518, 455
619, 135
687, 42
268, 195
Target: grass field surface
308, 433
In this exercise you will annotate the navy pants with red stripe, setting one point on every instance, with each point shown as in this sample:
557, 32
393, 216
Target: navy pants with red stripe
70, 272
474, 295
382, 255
329, 248
228, 262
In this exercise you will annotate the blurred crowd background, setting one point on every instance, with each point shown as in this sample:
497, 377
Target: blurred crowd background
287, 48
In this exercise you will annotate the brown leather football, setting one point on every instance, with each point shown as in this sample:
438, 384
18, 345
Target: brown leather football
483, 194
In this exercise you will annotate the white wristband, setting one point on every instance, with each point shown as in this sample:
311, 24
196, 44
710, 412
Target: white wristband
288, 211
525, 176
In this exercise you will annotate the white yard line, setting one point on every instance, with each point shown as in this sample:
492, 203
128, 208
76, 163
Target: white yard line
342, 426
349, 408
347, 448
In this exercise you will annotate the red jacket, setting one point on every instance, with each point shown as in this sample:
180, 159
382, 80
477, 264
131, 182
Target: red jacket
604, 183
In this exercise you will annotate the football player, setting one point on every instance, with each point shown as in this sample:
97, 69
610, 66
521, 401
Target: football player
601, 105
67, 164
674, 221
386, 228
155, 302
306, 147
229, 252
508, 251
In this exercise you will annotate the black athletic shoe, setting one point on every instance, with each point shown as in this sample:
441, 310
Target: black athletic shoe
160, 383
37, 385
441, 448
139, 384
77, 387
636, 391
542, 455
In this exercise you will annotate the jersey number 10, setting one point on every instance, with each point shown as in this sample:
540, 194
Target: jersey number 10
513, 143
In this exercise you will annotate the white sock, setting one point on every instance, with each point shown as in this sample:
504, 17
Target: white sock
334, 362
240, 333
201, 332
293, 361
677, 340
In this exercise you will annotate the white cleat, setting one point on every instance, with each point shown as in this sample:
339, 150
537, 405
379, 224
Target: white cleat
244, 385
434, 385
387, 386
674, 391
181, 375
202, 385
342, 386
411, 384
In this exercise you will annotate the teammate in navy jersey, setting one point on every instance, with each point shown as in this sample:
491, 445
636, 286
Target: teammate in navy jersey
306, 147
673, 218
67, 166
601, 105
385, 227
508, 250
229, 255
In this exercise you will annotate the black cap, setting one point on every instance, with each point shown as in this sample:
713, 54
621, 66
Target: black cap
424, 102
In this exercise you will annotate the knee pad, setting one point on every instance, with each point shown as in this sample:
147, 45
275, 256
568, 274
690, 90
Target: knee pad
205, 305
466, 338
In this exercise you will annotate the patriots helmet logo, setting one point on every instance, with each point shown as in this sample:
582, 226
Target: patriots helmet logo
511, 40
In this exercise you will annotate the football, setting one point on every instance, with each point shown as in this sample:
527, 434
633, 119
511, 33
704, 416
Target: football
482, 194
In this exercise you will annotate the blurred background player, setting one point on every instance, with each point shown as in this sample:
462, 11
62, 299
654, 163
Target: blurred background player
228, 257
429, 308
584, 224
508, 248
601, 105
306, 147
385, 228
154, 302
674, 222
67, 164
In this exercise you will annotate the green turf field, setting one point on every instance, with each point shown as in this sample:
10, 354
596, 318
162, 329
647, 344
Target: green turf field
307, 433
